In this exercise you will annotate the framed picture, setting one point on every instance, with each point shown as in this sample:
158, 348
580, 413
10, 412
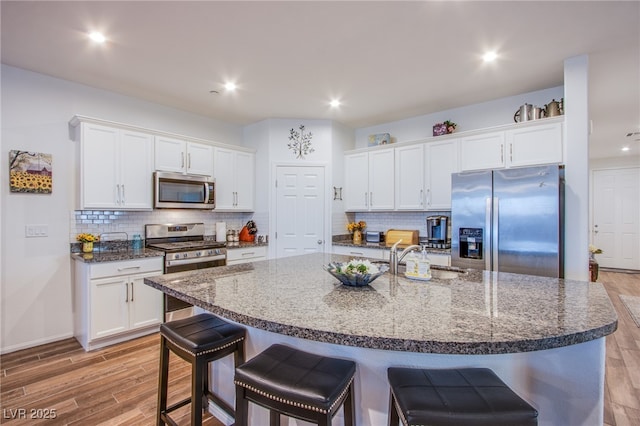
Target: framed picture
30, 172
379, 139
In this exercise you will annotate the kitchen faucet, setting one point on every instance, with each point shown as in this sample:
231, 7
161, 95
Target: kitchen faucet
394, 258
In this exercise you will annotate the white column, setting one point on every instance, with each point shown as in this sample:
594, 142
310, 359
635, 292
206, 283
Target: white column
576, 154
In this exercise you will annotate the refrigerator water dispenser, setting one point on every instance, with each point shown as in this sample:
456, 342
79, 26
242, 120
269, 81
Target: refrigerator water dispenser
470, 243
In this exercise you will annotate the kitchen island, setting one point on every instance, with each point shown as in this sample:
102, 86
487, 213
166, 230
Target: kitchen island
544, 337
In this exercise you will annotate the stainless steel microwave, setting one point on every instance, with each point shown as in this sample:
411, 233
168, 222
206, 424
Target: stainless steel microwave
178, 191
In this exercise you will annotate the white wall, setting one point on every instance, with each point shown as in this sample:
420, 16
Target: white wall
472, 117
35, 294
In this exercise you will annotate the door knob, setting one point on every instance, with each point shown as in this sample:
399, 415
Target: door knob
319, 241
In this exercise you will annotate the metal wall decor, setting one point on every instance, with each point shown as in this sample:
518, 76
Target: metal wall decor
300, 142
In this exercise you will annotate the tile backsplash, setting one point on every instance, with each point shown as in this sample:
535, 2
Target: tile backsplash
132, 222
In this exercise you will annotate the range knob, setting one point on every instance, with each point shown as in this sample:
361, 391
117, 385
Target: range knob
184, 255
176, 256
198, 253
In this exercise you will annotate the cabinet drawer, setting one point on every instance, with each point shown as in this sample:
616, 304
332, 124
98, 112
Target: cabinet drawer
126, 267
247, 253
370, 252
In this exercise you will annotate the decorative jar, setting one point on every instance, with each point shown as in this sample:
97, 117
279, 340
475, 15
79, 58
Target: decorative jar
87, 247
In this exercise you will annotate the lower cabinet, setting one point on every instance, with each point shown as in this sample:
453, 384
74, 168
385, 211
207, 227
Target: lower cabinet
113, 304
370, 252
236, 256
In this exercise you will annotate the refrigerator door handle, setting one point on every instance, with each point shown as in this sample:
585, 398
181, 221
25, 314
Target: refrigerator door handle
487, 234
495, 233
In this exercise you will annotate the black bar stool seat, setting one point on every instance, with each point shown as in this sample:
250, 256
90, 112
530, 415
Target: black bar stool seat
297, 384
465, 396
199, 340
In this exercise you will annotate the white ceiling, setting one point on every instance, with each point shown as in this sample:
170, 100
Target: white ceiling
385, 60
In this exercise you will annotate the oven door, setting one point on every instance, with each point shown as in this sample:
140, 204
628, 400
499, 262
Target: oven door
175, 308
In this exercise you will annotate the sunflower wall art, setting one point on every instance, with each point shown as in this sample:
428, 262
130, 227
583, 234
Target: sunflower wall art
30, 172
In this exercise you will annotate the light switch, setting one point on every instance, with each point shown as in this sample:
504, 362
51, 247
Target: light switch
35, 231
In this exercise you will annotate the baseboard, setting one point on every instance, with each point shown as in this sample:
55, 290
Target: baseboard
620, 271
33, 343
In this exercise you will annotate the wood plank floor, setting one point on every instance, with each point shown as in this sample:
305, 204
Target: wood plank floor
118, 385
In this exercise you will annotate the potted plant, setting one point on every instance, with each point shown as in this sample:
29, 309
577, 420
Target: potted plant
87, 241
356, 229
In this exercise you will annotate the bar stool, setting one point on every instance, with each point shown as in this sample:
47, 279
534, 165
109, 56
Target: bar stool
297, 384
198, 340
466, 396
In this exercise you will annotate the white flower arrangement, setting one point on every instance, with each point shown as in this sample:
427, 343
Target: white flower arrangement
359, 266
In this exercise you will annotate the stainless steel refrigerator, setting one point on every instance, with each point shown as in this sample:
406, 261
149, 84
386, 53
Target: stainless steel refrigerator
509, 220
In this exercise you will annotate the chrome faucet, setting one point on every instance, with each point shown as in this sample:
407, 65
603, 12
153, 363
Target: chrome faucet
395, 259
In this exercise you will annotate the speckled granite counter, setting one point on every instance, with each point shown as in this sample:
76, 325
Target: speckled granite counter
476, 313
115, 255
544, 337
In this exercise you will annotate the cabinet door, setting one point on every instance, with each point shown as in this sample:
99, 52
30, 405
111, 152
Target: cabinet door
223, 172
539, 144
99, 167
441, 161
145, 302
245, 166
482, 152
170, 155
136, 170
356, 181
109, 312
199, 159
381, 180
409, 170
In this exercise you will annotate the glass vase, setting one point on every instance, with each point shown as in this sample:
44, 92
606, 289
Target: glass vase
357, 236
87, 247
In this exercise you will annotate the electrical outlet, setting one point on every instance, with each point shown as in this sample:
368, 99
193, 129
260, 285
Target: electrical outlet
36, 231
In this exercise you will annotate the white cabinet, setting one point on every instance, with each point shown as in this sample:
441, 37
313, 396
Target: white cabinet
236, 256
483, 151
370, 252
113, 304
116, 167
540, 144
234, 172
369, 180
524, 145
409, 182
175, 155
423, 175
441, 160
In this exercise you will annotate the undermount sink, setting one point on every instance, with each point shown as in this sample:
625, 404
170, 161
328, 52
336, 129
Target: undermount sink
437, 271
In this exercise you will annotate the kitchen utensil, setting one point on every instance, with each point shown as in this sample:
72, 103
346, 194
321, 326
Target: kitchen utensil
552, 109
221, 231
523, 113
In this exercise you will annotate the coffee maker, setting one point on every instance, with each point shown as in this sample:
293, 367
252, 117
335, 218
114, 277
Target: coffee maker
438, 232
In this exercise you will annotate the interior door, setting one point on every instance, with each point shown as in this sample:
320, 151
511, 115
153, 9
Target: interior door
616, 217
300, 215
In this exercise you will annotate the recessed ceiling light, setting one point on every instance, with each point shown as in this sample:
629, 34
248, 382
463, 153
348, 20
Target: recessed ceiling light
334, 103
230, 86
625, 148
489, 56
97, 37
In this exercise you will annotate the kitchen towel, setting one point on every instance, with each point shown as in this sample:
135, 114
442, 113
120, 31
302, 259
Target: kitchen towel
221, 231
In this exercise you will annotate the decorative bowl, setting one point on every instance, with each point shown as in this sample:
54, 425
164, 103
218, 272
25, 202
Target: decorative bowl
350, 277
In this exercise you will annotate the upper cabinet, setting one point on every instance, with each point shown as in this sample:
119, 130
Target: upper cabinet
423, 175
234, 172
115, 170
441, 160
175, 155
525, 145
369, 180
409, 170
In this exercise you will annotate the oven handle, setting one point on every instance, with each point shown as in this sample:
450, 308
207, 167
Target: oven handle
176, 262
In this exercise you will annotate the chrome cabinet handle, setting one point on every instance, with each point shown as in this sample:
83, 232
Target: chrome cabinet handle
182, 163
510, 152
502, 153
126, 300
118, 193
422, 197
428, 197
123, 196
132, 292
366, 200
189, 162
371, 199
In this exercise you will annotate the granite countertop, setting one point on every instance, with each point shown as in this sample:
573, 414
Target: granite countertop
116, 255
478, 312
382, 245
245, 244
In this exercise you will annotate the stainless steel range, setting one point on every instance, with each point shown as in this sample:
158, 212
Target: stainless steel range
185, 249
